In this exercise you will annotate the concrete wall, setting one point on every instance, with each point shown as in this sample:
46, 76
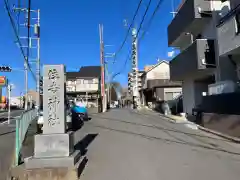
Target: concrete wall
193, 94
199, 88
160, 94
227, 68
188, 95
224, 123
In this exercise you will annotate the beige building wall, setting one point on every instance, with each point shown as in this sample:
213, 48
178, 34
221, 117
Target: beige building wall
160, 71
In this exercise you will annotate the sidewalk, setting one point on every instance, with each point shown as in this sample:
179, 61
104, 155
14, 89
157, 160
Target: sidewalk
179, 119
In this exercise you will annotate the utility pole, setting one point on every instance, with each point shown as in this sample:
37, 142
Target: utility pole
26, 84
173, 9
102, 68
108, 74
27, 20
136, 98
37, 33
9, 87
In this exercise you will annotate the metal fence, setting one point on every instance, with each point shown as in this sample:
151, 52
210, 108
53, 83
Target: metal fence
22, 125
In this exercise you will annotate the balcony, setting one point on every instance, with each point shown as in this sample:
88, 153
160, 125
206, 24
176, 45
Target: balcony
82, 88
229, 32
189, 21
196, 61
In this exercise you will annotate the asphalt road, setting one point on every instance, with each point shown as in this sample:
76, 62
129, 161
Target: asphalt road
7, 140
127, 144
14, 114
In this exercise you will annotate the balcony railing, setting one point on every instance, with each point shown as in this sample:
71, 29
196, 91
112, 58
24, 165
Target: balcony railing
229, 32
190, 20
195, 61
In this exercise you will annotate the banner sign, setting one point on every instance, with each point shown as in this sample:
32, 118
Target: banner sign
3, 81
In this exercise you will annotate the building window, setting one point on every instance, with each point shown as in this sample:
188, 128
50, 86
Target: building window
85, 82
95, 81
79, 81
90, 81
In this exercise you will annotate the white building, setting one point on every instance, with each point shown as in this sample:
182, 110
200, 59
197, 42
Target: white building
156, 84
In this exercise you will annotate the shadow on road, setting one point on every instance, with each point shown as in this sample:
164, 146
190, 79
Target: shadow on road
167, 140
9, 132
82, 146
84, 143
2, 119
161, 128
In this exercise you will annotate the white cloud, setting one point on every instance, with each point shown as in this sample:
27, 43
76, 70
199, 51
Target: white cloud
171, 54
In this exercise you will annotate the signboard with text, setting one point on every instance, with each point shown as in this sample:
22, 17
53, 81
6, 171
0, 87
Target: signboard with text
3, 81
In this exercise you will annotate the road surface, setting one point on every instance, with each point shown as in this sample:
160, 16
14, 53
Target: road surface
7, 140
127, 144
14, 114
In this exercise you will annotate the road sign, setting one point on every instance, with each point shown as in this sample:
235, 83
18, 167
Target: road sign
3, 81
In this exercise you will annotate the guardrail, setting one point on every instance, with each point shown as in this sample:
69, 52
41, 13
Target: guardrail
22, 125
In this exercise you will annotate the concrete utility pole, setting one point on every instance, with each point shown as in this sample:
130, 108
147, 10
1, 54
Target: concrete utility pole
26, 84
173, 9
36, 26
102, 68
37, 34
108, 74
136, 98
9, 88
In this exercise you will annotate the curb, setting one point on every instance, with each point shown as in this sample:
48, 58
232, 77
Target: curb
231, 138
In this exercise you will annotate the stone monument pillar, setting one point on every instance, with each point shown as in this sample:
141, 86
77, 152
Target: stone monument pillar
55, 147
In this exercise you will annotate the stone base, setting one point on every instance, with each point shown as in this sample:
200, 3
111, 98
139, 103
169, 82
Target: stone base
53, 145
54, 162
49, 173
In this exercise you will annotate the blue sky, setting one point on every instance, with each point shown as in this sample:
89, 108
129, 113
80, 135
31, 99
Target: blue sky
69, 35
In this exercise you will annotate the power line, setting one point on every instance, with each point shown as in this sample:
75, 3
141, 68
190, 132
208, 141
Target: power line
151, 19
140, 27
28, 37
129, 28
125, 63
145, 13
17, 36
28, 26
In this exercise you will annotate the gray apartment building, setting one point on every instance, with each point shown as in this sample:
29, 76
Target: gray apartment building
207, 32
